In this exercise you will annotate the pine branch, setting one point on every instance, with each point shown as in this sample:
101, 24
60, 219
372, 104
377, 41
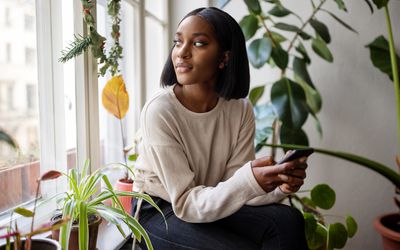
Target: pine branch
75, 48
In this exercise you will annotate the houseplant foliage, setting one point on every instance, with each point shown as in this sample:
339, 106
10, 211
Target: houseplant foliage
384, 57
23, 240
5, 137
284, 46
84, 198
319, 233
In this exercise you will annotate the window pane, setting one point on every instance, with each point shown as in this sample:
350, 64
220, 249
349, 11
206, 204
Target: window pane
156, 7
69, 85
114, 134
18, 103
154, 55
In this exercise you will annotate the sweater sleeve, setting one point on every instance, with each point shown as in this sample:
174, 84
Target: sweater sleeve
244, 152
191, 202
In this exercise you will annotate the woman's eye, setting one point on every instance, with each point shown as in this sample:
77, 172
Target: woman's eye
199, 44
177, 42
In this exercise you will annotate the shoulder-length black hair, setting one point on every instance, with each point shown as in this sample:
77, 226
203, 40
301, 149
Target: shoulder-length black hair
234, 78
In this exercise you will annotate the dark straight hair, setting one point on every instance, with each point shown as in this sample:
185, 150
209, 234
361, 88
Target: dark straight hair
234, 78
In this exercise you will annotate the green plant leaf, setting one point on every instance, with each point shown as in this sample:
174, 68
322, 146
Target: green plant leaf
265, 117
379, 168
340, 21
249, 25
290, 135
259, 52
24, 212
369, 5
319, 46
323, 196
341, 5
276, 37
321, 29
337, 236
289, 100
310, 223
280, 56
300, 68
292, 28
83, 230
287, 27
351, 226
253, 6
255, 94
7, 139
318, 238
302, 50
279, 11
380, 3
380, 55
307, 201
133, 157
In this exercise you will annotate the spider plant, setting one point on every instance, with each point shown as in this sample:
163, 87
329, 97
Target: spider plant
84, 198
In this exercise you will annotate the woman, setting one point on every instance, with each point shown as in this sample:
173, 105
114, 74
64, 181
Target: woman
197, 153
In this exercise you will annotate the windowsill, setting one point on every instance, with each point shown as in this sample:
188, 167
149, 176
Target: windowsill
110, 238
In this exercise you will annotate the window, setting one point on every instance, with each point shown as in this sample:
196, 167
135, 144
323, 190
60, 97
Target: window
8, 53
141, 68
7, 20
31, 96
29, 22
29, 56
61, 97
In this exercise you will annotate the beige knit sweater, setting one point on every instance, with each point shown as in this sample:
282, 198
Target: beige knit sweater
200, 162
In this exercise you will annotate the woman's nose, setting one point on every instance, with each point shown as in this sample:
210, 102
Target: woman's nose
184, 51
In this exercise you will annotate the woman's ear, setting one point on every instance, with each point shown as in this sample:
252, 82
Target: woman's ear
224, 60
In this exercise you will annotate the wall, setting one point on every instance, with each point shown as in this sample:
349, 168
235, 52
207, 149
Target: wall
358, 113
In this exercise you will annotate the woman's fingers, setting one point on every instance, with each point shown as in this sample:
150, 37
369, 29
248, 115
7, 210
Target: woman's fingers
263, 161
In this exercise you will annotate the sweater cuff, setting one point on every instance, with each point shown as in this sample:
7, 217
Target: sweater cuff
251, 180
279, 194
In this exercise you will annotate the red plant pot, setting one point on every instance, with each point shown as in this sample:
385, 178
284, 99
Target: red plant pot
388, 225
125, 185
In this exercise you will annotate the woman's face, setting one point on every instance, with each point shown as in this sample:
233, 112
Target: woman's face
196, 54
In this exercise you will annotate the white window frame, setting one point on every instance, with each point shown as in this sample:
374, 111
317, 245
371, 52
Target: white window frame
51, 94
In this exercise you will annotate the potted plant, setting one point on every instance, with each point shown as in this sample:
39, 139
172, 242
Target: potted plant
83, 201
17, 239
383, 57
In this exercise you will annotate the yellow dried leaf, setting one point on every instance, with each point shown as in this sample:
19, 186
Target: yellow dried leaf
115, 98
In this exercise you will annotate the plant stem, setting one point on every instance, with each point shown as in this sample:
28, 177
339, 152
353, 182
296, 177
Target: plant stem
34, 206
304, 25
395, 72
268, 31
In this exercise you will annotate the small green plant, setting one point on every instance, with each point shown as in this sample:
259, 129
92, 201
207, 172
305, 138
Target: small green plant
5, 137
83, 198
319, 233
15, 234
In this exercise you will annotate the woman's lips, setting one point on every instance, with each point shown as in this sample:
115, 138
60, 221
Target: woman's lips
183, 67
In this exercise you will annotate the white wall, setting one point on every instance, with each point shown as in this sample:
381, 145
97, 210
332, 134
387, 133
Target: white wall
358, 113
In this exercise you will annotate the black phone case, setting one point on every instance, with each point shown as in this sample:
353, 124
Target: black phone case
295, 154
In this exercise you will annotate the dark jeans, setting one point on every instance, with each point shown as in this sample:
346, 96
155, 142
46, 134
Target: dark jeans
275, 226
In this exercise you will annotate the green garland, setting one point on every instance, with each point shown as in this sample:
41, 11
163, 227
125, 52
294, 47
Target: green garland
95, 41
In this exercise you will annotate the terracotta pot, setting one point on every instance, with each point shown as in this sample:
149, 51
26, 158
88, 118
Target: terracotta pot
388, 226
125, 185
37, 244
74, 236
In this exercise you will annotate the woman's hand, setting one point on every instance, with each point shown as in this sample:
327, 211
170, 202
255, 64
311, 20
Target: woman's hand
289, 176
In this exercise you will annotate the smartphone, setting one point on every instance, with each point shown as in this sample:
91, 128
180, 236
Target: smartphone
295, 154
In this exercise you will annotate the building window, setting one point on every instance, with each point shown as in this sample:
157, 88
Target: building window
8, 53
31, 97
10, 97
29, 56
29, 22
7, 19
